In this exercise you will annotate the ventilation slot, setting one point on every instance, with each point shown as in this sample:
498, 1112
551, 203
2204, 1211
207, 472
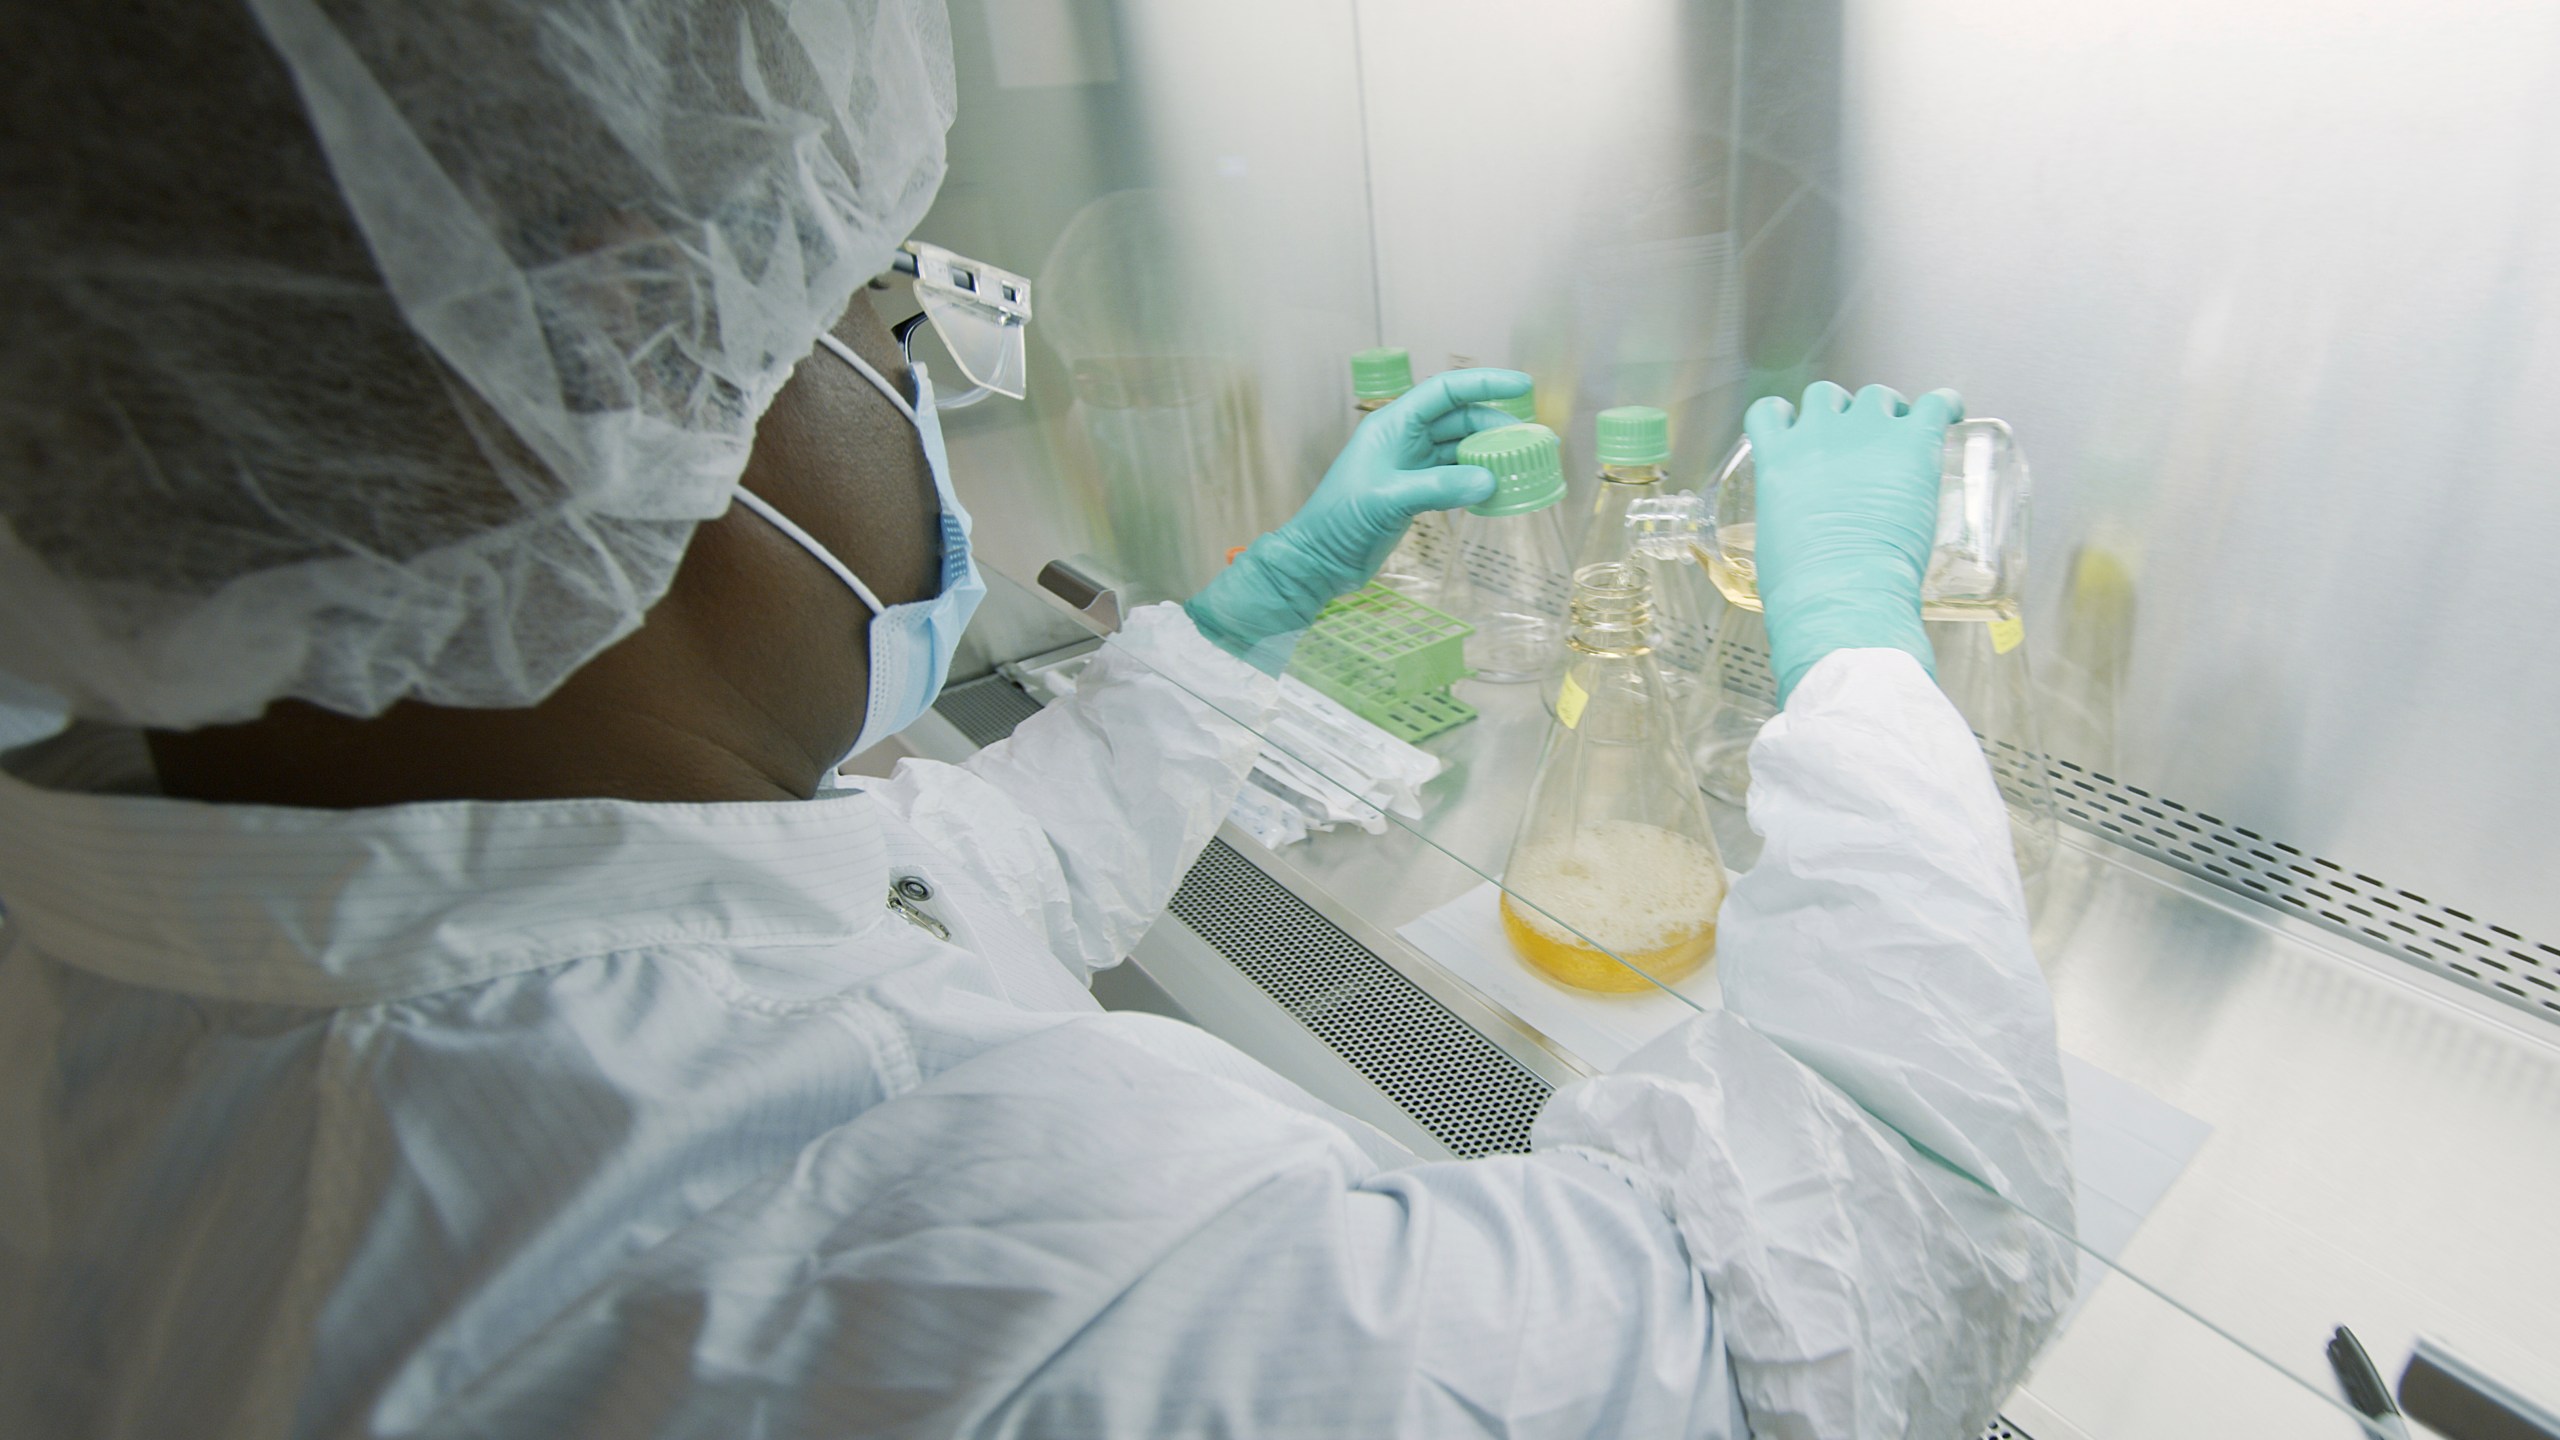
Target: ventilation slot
986, 710
2370, 911
1451, 1080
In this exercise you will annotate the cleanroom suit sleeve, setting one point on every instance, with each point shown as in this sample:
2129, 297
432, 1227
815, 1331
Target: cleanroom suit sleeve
1737, 1232
1085, 818
1881, 1000
1086, 1231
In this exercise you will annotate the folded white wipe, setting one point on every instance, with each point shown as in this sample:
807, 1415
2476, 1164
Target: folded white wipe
1321, 765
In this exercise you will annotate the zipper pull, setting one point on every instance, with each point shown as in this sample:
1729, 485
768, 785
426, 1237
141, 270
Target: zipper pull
907, 895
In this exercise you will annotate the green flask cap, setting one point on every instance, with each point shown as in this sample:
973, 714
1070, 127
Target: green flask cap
1381, 374
1634, 435
1527, 462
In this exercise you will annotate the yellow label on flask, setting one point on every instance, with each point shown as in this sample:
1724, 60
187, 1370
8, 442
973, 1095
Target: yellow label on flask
1569, 703
2007, 634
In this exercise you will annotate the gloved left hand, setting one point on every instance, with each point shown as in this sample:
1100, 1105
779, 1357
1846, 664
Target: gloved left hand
1396, 467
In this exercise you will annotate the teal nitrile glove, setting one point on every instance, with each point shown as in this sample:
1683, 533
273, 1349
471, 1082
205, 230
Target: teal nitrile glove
1396, 467
1846, 500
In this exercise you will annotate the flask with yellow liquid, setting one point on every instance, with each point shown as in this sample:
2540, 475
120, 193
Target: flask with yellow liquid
1971, 598
1978, 567
1614, 880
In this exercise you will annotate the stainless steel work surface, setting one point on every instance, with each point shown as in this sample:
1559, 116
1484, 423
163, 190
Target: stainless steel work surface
2385, 1152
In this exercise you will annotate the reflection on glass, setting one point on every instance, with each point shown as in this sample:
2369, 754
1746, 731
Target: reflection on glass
1613, 882
2085, 672
1165, 399
1994, 690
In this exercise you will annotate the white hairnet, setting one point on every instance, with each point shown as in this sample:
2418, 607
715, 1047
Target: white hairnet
362, 349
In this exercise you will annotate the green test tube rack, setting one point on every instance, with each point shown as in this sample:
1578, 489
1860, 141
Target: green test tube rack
1390, 660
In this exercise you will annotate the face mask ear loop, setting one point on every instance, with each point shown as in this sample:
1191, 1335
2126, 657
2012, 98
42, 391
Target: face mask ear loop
782, 522
845, 353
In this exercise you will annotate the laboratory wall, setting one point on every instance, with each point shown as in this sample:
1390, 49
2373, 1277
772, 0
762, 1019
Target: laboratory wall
2270, 292
1559, 197
1186, 187
1218, 203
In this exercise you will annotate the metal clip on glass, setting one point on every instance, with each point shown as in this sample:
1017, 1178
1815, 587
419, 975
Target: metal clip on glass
979, 311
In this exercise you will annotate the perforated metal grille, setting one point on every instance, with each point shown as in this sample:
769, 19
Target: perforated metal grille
1429, 545
1496, 572
1454, 1083
1742, 666
2001, 1429
986, 710
2455, 943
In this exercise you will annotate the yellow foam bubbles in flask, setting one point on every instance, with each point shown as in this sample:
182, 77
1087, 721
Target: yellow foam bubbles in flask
1625, 904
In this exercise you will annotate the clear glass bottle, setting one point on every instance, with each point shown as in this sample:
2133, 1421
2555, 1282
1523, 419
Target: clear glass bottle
1614, 880
1505, 572
1414, 567
1983, 668
1634, 444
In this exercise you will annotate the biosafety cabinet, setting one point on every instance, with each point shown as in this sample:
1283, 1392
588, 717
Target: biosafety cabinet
2269, 293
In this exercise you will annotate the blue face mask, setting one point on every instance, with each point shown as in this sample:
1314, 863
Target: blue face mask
911, 644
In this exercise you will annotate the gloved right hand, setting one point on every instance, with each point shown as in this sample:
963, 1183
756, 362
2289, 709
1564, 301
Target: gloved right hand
1846, 504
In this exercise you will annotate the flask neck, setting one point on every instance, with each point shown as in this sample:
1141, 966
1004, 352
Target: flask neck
1612, 610
1634, 475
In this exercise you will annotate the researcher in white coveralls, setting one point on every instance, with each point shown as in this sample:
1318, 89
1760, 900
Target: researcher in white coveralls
444, 481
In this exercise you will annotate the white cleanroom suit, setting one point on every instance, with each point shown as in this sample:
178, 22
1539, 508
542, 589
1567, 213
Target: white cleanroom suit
604, 1118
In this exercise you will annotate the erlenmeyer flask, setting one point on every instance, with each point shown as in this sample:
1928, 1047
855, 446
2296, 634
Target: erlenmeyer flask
1414, 567
1977, 571
1614, 880
1984, 670
1634, 443
1505, 573
1971, 598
